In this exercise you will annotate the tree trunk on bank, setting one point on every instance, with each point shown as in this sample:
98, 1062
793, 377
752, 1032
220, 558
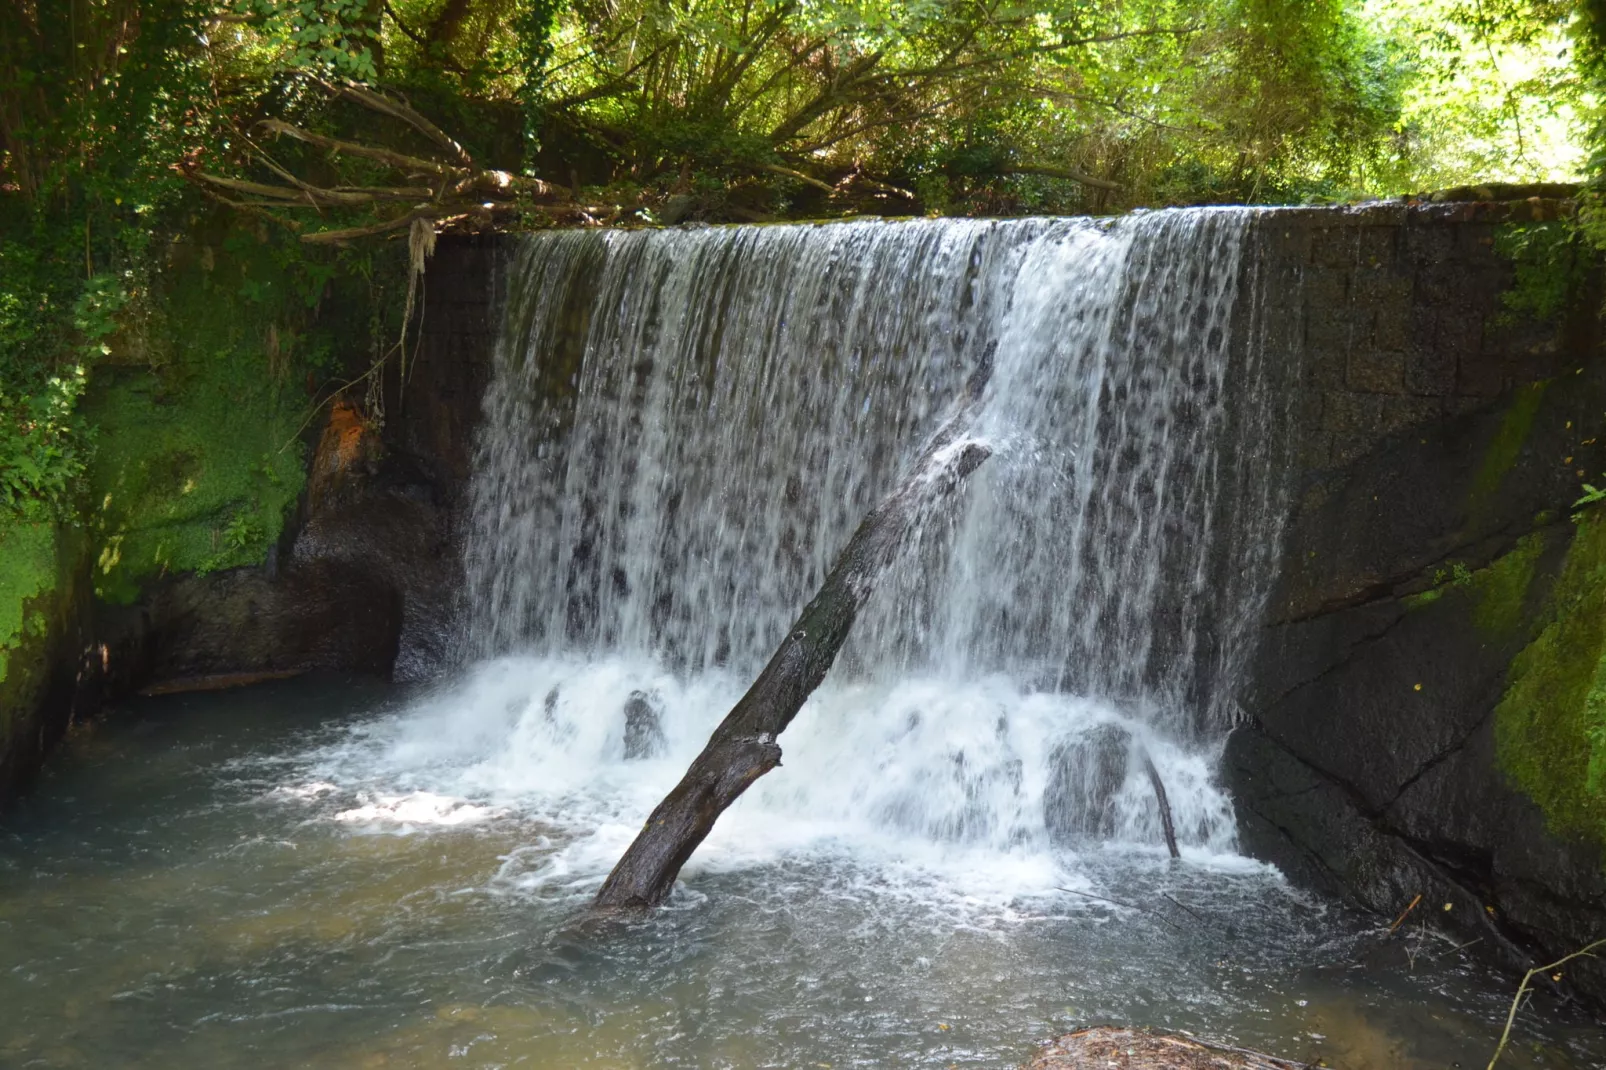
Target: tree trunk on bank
743, 747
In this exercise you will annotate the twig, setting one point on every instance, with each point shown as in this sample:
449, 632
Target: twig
400, 161
1191, 913
306, 194
1516, 1000
1413, 951
1126, 906
810, 180
398, 110
348, 233
862, 179
1404, 914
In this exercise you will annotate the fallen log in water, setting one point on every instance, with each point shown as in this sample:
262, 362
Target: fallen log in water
1166, 826
743, 747
1111, 1048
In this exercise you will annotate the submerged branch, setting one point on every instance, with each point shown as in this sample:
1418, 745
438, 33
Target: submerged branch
1165, 805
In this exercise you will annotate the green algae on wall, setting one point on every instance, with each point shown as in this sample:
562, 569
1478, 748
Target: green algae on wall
1502, 587
198, 459
1500, 457
27, 570
1550, 726
1499, 590
190, 479
28, 577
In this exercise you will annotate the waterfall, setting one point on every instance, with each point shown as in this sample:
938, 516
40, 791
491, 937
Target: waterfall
684, 427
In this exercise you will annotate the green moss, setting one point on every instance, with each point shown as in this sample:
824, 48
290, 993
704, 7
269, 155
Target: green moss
1506, 446
1550, 726
27, 569
1424, 598
1498, 593
194, 480
1502, 588
197, 458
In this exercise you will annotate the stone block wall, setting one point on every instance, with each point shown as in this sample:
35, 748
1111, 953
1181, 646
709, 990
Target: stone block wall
1393, 320
1397, 315
1439, 442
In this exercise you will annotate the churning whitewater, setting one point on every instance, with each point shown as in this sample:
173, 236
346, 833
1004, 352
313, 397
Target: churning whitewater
684, 428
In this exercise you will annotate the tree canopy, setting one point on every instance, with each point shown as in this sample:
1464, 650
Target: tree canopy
773, 107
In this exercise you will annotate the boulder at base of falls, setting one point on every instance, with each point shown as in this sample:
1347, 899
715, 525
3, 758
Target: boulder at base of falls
644, 733
1086, 774
1113, 1048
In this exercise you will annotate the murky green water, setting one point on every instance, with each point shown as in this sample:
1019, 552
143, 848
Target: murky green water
177, 893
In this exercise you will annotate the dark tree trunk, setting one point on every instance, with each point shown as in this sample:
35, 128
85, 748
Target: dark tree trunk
743, 747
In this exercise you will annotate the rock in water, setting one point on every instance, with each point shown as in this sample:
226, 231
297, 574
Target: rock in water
1111, 1048
1087, 773
644, 734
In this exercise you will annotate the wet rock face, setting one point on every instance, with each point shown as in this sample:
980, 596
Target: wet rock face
644, 733
370, 577
392, 529
36, 664
315, 615
1424, 555
1087, 773
366, 583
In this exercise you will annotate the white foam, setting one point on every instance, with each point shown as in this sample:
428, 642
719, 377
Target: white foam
415, 810
922, 787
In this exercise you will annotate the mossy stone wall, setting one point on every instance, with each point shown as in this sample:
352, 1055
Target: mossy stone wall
28, 571
1550, 725
200, 413
200, 419
36, 610
196, 471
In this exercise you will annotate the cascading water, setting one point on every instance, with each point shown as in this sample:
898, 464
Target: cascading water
685, 426
960, 853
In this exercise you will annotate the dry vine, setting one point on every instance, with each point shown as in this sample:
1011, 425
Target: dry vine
436, 192
1516, 1001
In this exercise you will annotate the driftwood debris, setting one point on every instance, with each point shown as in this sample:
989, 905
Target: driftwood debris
1165, 805
743, 747
1110, 1048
